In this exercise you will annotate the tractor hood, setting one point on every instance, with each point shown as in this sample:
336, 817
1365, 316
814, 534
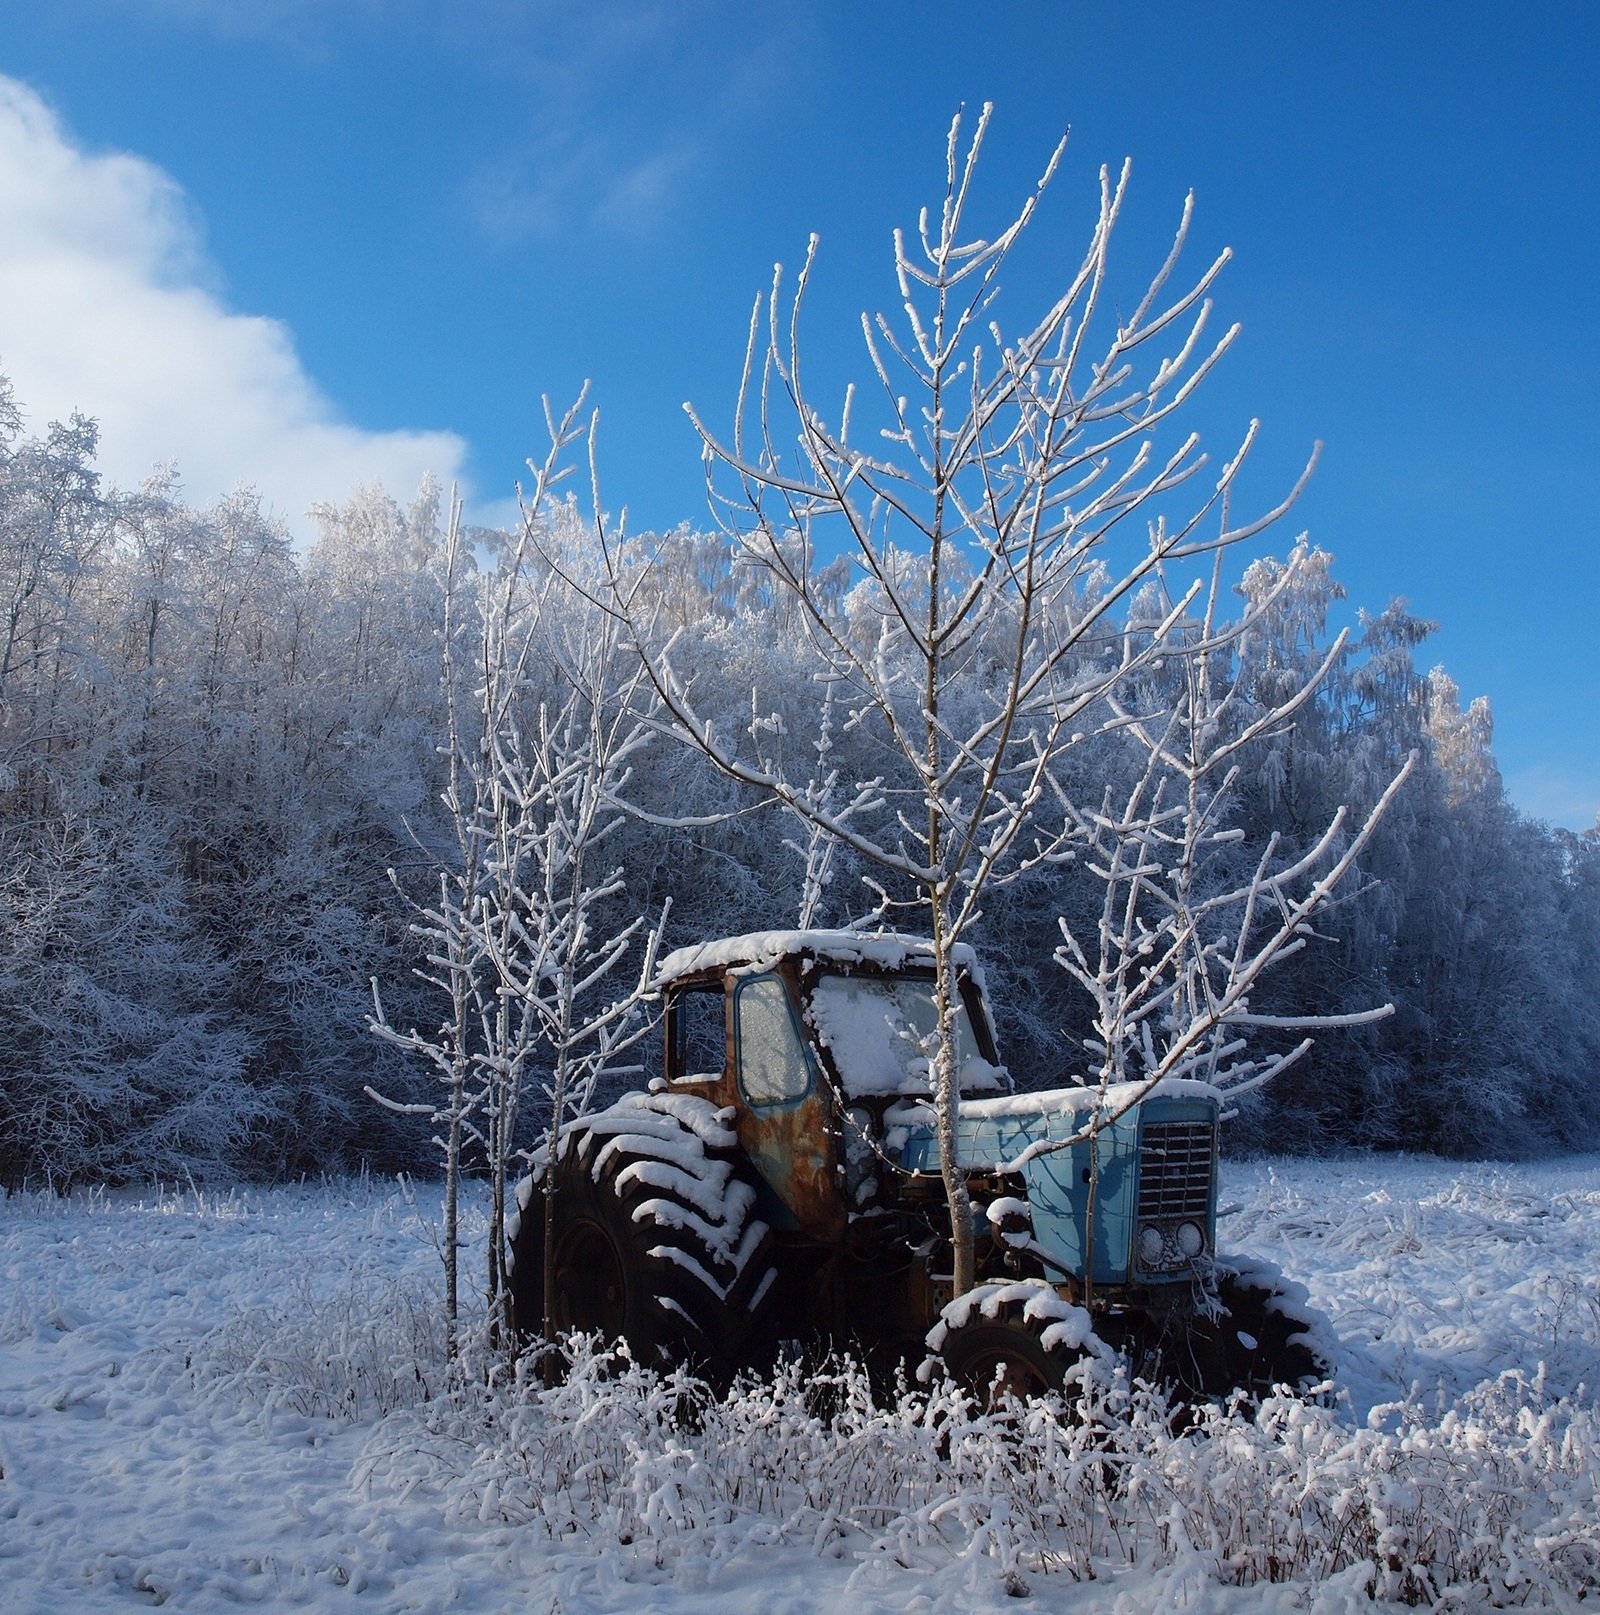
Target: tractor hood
993, 1133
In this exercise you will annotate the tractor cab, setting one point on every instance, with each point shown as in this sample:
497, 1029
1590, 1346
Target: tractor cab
817, 1041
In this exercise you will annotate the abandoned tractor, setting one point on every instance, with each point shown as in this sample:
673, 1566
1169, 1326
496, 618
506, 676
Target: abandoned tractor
779, 1188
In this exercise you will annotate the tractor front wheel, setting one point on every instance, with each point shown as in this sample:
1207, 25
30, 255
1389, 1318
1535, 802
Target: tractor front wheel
1011, 1340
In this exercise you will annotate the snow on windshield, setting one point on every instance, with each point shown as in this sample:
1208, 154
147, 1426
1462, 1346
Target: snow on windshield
880, 1031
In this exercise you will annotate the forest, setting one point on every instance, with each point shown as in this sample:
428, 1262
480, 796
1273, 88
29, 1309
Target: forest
222, 782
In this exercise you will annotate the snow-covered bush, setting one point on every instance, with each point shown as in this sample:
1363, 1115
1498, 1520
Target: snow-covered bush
1495, 1499
369, 1349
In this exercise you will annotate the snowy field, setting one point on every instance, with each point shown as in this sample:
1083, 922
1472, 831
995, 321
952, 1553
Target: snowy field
208, 1402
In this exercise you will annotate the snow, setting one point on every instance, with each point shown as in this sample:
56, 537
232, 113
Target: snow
1010, 1210
880, 1033
1080, 1101
665, 1115
672, 1253
716, 1236
1434, 1275
1070, 1328
215, 1401
1007, 1206
763, 949
702, 1183
711, 1126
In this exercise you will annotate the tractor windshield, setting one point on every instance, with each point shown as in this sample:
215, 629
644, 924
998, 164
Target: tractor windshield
880, 1031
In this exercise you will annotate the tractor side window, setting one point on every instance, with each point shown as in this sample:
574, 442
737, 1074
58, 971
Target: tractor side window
699, 1038
773, 1067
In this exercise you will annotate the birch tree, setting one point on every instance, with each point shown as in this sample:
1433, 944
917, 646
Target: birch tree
518, 940
987, 528
1192, 920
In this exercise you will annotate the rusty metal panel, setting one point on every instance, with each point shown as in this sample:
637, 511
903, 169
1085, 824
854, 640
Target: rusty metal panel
792, 1147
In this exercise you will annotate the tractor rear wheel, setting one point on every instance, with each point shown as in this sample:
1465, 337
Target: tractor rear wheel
656, 1241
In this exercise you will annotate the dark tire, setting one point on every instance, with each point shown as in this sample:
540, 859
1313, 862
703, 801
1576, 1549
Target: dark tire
1262, 1340
1013, 1340
656, 1242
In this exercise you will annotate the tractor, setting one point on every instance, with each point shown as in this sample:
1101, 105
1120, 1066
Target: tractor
779, 1188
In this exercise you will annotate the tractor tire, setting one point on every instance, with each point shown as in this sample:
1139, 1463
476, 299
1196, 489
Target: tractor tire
656, 1241
1264, 1339
1010, 1340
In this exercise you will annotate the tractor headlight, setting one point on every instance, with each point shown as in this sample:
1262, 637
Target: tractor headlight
1151, 1245
1191, 1239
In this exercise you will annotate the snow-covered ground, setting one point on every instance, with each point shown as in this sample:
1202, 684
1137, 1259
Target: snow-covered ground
1435, 1275
213, 1401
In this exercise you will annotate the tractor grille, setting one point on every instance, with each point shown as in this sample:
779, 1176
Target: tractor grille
1175, 1170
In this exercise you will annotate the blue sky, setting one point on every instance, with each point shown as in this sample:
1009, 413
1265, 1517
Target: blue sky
448, 209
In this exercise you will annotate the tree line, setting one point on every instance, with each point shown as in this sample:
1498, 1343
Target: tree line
214, 750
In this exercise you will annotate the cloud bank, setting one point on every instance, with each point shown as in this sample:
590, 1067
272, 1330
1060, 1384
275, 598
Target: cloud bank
106, 306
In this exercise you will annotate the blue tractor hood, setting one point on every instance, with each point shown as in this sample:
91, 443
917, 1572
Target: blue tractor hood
992, 1133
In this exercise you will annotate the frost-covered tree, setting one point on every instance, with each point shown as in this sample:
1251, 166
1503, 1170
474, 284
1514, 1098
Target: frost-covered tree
102, 1071
556, 923
177, 775
526, 927
1192, 922
987, 524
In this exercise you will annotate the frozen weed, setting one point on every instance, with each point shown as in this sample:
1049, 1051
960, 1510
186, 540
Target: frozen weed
30, 1312
372, 1348
1496, 1500
1567, 1330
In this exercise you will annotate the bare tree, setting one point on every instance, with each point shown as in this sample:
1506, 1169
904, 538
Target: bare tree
451, 930
536, 753
987, 528
1187, 929
480, 1049
552, 927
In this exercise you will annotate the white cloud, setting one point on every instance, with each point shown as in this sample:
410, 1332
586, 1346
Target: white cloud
105, 307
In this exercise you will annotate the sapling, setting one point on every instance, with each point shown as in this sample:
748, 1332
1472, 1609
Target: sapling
986, 527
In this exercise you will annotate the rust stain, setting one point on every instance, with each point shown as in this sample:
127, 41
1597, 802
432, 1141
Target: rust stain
792, 1147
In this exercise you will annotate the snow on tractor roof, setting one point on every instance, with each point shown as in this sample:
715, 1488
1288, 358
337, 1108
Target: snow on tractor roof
886, 950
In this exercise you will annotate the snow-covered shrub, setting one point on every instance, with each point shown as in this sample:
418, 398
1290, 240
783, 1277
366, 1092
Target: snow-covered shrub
366, 1351
1496, 1499
1498, 1495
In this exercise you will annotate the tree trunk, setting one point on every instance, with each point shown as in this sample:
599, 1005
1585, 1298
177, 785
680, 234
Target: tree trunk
947, 1098
452, 1182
